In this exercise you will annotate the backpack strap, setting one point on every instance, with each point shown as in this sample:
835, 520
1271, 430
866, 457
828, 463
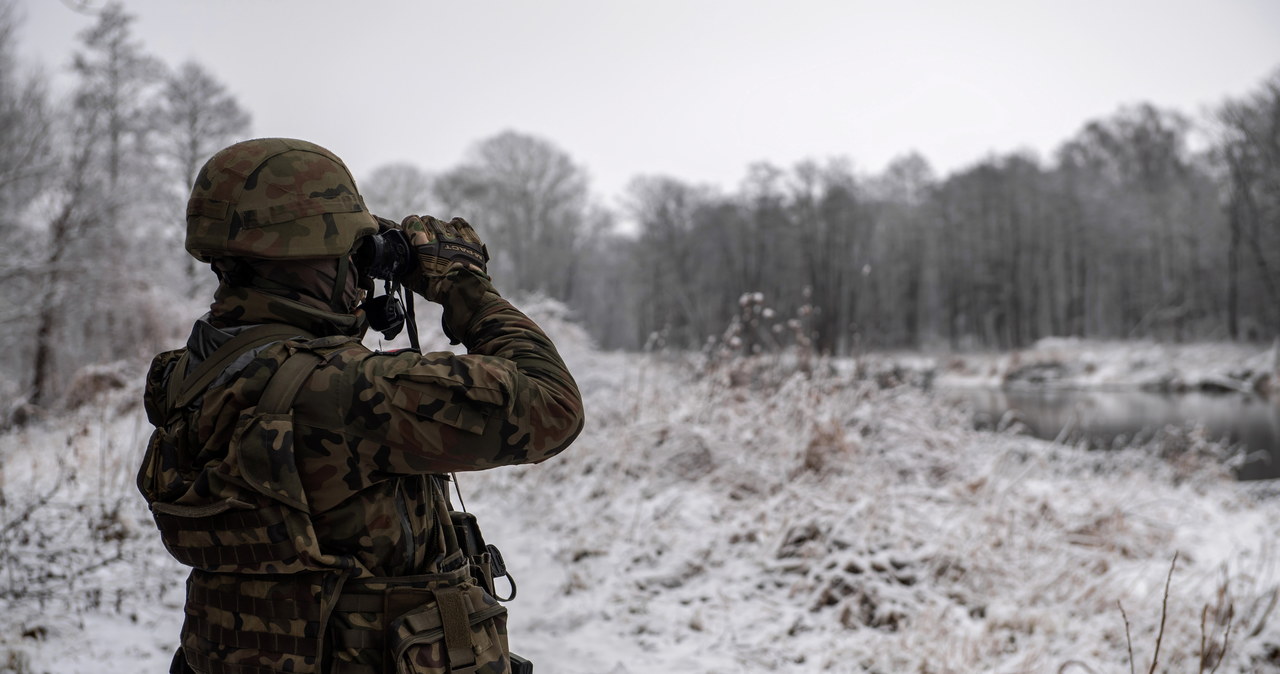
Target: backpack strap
285, 383
183, 386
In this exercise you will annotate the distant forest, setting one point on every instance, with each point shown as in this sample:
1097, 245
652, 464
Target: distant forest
1125, 232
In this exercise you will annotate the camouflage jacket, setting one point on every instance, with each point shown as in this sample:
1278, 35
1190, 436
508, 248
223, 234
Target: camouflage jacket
367, 431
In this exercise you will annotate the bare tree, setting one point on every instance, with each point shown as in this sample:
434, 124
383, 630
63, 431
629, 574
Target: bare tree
194, 117
671, 267
26, 170
833, 228
25, 123
905, 191
396, 190
94, 301
531, 200
1249, 148
115, 81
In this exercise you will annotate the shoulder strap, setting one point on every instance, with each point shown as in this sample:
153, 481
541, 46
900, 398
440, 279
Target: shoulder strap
285, 383
183, 387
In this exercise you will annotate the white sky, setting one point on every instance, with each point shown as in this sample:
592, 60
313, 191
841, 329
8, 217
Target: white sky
695, 89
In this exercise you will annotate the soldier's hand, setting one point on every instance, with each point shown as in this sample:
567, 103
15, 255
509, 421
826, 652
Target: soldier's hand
441, 248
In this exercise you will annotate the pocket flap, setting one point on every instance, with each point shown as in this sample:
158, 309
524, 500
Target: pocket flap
262, 449
479, 627
480, 379
206, 510
456, 406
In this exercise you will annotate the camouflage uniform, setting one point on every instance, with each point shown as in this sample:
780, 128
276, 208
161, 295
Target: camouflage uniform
319, 535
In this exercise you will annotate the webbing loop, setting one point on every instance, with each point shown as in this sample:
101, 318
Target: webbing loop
457, 628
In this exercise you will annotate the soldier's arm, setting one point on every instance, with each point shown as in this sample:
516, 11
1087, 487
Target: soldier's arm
489, 325
509, 400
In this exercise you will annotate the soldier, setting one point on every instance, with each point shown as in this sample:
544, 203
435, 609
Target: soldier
302, 476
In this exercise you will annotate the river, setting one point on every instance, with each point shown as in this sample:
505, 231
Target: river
1105, 418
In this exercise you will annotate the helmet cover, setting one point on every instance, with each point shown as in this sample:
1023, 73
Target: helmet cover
275, 199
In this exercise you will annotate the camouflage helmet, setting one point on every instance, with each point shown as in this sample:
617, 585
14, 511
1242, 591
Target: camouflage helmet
275, 199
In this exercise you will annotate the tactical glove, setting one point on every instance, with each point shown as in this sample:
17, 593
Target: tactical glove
442, 249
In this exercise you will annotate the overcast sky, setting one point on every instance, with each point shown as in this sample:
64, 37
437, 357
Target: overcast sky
696, 90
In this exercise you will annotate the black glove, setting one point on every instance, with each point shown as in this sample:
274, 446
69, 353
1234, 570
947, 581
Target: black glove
442, 248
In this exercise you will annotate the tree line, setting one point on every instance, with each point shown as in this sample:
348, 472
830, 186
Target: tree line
1126, 231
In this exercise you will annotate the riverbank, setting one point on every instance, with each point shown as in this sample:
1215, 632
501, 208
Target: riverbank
1095, 364
743, 517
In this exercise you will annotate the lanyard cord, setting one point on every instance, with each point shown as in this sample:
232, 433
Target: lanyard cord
453, 477
409, 315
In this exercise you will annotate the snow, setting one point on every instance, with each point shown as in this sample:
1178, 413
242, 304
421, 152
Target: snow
745, 515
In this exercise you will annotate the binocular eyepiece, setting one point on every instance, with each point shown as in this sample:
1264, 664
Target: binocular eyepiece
385, 255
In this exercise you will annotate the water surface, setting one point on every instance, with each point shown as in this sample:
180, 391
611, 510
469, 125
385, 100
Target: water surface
1108, 418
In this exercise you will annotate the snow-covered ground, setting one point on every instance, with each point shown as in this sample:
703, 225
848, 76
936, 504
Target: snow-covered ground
742, 517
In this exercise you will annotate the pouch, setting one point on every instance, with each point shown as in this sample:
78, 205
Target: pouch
461, 631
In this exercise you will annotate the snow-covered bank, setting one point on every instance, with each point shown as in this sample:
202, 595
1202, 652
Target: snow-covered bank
748, 518
1078, 363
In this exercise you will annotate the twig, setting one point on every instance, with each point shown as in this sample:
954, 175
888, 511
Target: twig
1127, 638
81, 6
1076, 663
39, 503
1262, 622
1226, 638
1164, 613
106, 561
1203, 654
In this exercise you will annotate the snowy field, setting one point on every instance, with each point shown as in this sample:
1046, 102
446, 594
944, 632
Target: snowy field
738, 516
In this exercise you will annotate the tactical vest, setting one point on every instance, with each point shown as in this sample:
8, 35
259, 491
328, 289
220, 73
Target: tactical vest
263, 596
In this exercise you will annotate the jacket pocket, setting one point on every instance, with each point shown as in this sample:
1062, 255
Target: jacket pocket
261, 449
